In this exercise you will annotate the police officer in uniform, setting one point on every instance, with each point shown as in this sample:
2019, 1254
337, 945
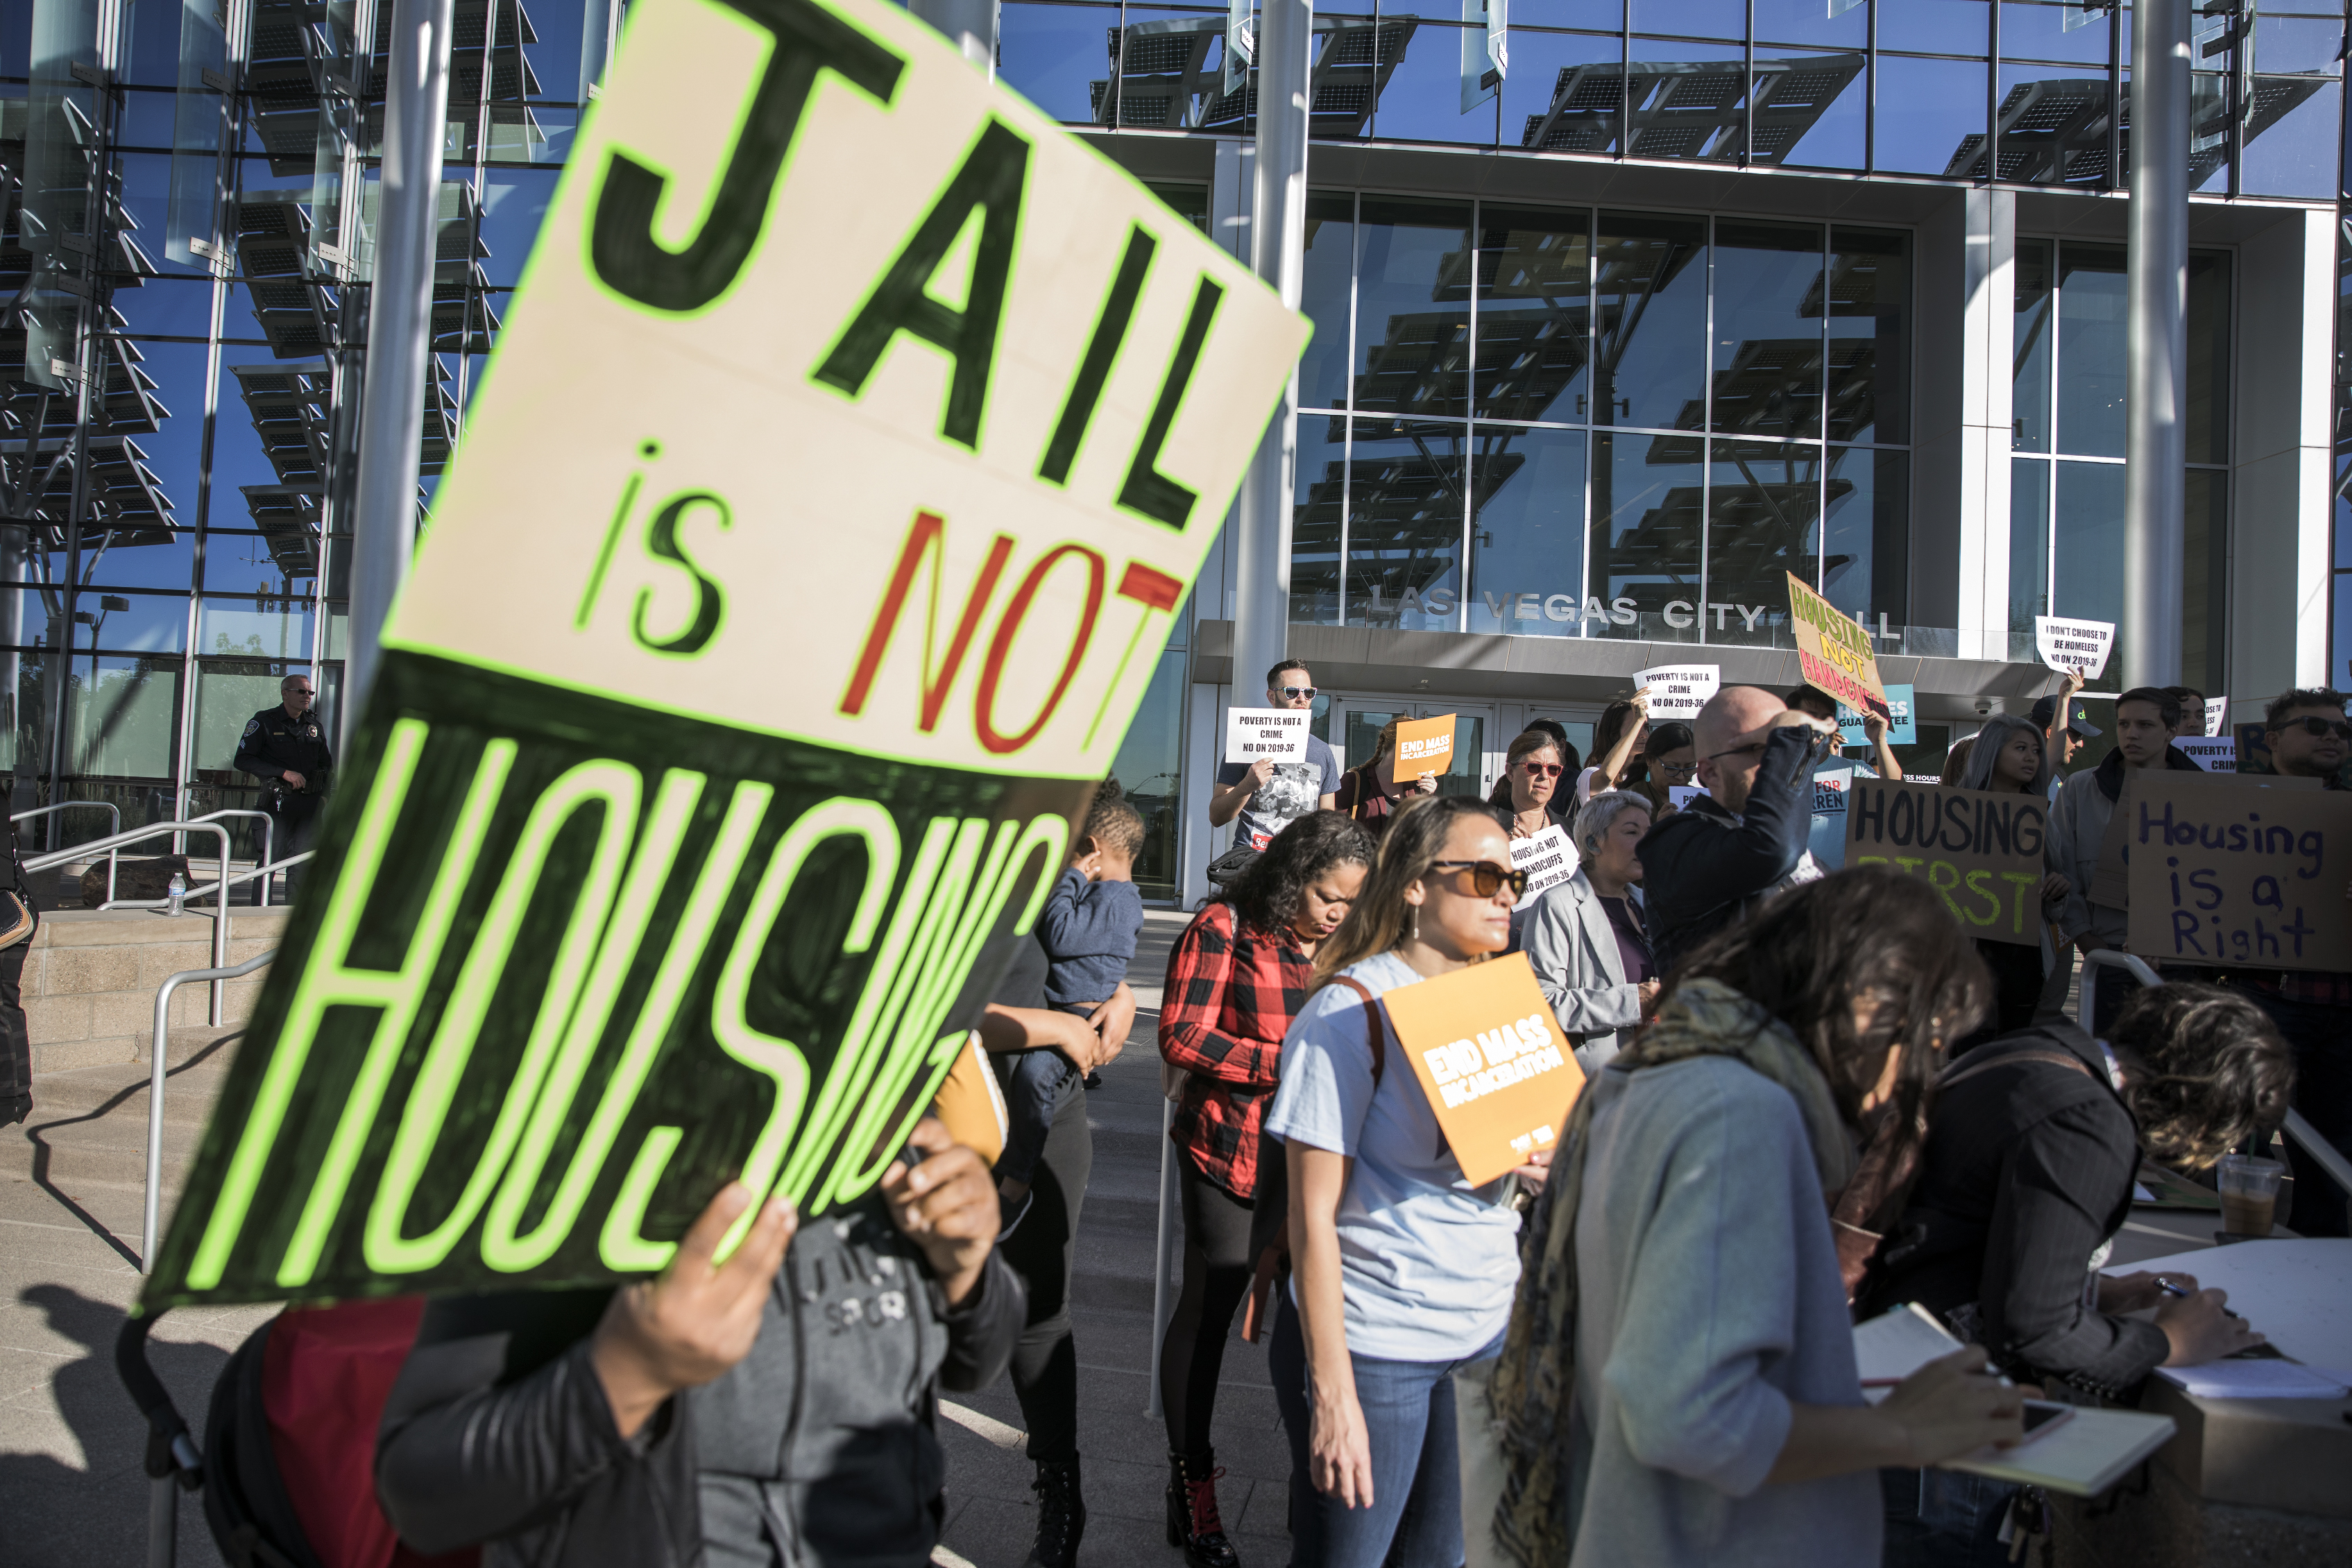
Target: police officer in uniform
286, 748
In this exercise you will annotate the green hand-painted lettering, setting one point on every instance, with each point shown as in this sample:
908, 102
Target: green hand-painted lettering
389, 1251
505, 1247
328, 981
779, 1059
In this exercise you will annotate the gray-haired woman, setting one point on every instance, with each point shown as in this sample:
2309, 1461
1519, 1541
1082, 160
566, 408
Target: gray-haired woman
2008, 756
1586, 938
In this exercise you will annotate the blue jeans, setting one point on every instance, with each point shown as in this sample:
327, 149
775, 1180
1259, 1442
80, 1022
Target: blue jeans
1415, 1517
1944, 1518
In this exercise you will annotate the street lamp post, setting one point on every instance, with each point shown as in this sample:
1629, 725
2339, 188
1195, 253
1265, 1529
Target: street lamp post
2157, 348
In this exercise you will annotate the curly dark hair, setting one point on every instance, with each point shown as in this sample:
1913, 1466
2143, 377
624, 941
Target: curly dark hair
2205, 1069
1267, 891
1810, 953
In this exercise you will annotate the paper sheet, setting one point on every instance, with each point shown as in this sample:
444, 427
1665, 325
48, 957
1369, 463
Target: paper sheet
2260, 1379
2293, 1292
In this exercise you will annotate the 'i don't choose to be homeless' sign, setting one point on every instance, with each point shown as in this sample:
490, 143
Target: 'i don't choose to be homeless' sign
732, 729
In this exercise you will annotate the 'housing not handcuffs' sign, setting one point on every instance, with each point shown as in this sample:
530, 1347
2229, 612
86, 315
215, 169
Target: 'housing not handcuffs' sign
855, 437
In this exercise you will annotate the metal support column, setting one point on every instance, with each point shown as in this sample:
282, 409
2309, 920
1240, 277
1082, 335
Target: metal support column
2155, 438
1277, 249
969, 24
400, 332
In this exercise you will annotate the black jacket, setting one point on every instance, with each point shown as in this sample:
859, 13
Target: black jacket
273, 742
2027, 1174
1703, 867
817, 1448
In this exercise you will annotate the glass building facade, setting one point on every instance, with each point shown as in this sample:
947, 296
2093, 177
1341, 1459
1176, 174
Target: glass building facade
1620, 315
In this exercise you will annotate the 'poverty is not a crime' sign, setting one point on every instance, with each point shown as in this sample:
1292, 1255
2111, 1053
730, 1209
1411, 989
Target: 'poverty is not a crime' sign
854, 437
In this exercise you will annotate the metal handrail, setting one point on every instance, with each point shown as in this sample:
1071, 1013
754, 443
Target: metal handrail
162, 1051
207, 890
268, 836
140, 835
2299, 1131
107, 806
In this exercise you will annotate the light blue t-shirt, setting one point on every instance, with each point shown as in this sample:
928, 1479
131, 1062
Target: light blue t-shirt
1428, 1265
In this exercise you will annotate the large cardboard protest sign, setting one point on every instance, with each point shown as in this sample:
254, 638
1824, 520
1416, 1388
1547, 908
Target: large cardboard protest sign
1834, 652
1980, 849
1270, 735
854, 437
1490, 1056
2111, 872
2224, 871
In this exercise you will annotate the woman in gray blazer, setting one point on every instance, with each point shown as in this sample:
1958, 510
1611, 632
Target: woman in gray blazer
1586, 938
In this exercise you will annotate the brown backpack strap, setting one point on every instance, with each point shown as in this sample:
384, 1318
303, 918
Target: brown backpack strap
1375, 1022
1971, 1069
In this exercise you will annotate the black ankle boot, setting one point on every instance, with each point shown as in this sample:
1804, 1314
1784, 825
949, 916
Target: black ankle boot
1061, 1517
1192, 1521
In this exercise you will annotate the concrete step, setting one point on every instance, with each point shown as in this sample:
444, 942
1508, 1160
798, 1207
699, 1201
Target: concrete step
89, 1126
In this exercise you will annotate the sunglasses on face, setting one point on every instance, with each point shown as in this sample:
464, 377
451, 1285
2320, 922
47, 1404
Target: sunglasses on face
1296, 692
1753, 749
1543, 770
1680, 769
2318, 729
1486, 877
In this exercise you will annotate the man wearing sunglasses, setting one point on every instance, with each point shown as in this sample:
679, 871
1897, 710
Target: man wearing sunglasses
2309, 738
1710, 866
1266, 795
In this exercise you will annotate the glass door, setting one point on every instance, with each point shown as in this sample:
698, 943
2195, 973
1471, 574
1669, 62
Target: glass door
1357, 723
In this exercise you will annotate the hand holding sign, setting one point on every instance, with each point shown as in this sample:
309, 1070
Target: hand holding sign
2075, 646
1266, 735
1676, 690
1547, 857
1833, 653
1424, 747
1489, 1055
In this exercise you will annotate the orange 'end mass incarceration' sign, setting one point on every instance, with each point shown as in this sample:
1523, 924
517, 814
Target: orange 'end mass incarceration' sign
1492, 1060
1424, 746
1834, 652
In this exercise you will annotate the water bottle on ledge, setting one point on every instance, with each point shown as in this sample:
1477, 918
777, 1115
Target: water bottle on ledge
176, 895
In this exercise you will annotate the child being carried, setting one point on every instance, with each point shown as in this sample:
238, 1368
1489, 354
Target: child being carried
1087, 929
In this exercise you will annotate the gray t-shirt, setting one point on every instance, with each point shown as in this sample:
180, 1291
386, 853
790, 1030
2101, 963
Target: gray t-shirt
1427, 1264
1295, 789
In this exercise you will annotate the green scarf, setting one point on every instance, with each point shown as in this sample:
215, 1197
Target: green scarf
1535, 1382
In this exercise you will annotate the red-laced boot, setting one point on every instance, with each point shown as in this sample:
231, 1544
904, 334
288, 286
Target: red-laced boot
1192, 1520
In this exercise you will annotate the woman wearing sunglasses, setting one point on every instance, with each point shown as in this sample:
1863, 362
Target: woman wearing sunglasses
1530, 786
1671, 754
1403, 1270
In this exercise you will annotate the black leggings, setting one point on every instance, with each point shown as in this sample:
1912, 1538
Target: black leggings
1045, 1362
1217, 1266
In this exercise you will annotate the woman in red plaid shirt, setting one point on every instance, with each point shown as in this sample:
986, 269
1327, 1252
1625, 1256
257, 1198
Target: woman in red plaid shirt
1238, 974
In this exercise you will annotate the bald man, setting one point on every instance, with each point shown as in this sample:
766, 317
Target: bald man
1707, 867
